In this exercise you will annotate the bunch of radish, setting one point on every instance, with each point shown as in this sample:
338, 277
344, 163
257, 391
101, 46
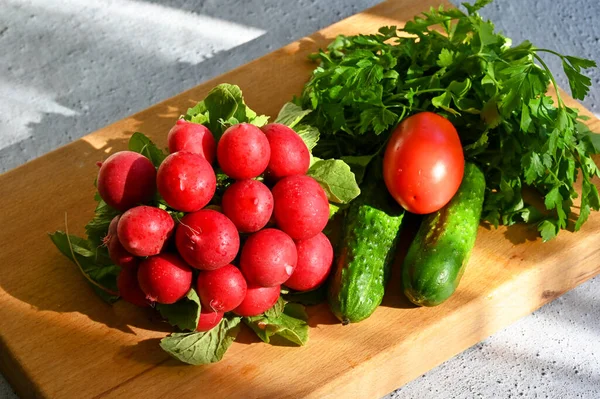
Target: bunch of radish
237, 249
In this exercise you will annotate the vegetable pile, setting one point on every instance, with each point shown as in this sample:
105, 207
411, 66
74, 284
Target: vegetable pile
443, 118
169, 229
467, 133
492, 92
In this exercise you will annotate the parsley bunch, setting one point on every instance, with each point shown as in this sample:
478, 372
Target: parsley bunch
455, 64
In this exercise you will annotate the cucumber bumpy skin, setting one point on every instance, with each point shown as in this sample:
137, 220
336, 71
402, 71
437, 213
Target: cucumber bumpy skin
437, 257
361, 270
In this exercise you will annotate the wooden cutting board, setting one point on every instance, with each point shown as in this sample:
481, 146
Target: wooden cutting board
57, 339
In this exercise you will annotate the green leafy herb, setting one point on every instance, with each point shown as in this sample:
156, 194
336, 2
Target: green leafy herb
336, 178
202, 347
494, 94
138, 142
92, 261
185, 313
290, 325
223, 106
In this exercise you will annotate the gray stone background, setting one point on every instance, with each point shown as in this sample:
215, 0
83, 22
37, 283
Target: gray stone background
69, 67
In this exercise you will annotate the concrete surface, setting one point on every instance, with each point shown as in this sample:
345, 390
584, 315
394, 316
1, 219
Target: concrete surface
69, 67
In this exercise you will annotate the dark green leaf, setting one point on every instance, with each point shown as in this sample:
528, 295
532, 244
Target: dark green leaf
143, 145
525, 118
183, 314
202, 347
548, 229
533, 167
595, 140
581, 62
578, 82
223, 106
553, 199
97, 228
531, 214
486, 33
589, 200
490, 114
377, 120
443, 101
479, 4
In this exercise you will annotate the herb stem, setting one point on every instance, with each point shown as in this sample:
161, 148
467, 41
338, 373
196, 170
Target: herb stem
561, 104
545, 50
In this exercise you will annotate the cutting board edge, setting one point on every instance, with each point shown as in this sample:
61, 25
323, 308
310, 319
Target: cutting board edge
186, 93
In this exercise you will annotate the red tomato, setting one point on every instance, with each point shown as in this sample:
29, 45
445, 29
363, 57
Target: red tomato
423, 163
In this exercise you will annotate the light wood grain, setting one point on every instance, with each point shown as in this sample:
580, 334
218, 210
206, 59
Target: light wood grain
57, 339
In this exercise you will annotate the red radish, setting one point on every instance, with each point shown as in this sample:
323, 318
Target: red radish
192, 137
257, 300
268, 258
116, 251
289, 154
186, 181
221, 290
144, 230
209, 320
129, 289
243, 151
315, 256
126, 179
301, 206
207, 239
249, 205
164, 278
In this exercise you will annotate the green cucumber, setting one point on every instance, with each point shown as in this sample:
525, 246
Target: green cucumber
437, 257
361, 270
